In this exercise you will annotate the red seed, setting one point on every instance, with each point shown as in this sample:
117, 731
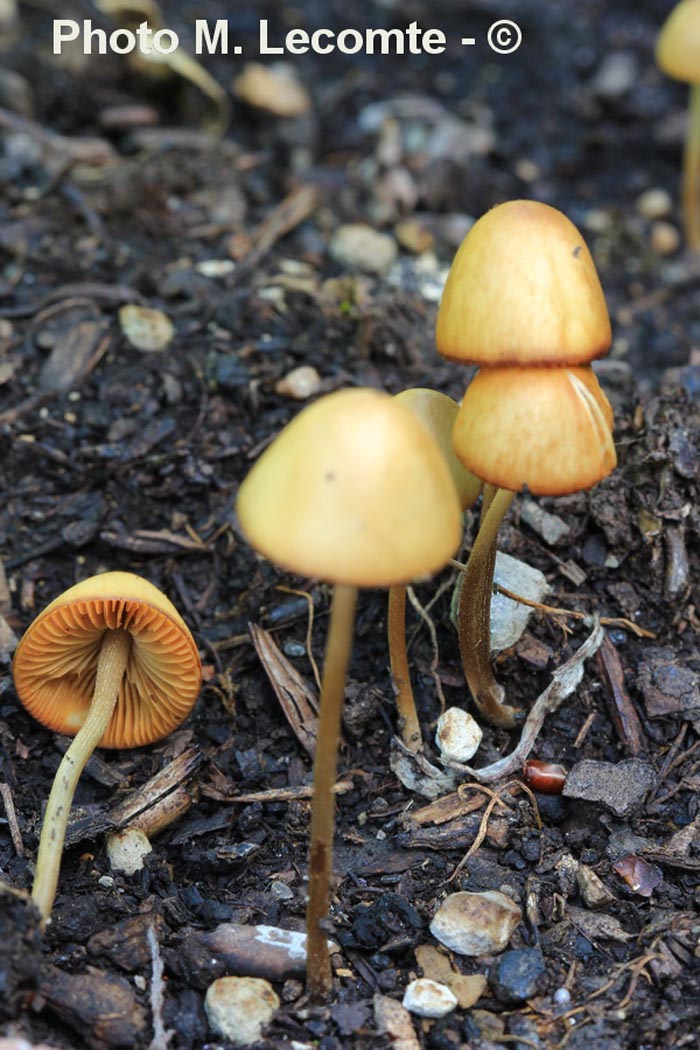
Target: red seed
547, 777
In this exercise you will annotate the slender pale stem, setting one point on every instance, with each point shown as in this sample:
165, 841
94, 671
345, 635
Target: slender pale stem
475, 612
338, 648
691, 172
111, 665
400, 673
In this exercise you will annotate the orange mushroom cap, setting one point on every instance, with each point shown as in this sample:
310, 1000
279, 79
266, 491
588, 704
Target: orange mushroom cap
354, 490
55, 663
678, 43
523, 289
545, 428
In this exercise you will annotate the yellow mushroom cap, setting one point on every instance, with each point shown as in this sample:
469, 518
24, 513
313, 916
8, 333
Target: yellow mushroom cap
354, 490
523, 289
678, 43
549, 429
438, 412
55, 662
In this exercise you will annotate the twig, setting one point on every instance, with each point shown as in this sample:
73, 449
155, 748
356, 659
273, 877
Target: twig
483, 827
564, 681
161, 1035
623, 712
309, 628
553, 610
15, 833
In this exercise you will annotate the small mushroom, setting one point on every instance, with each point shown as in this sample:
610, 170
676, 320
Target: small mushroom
678, 55
355, 491
111, 662
438, 413
522, 294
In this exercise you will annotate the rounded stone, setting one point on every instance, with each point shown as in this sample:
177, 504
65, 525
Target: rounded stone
476, 923
426, 998
458, 735
238, 1008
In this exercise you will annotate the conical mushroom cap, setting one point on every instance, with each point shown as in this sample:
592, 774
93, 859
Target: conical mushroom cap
523, 289
545, 428
678, 43
354, 490
55, 662
438, 412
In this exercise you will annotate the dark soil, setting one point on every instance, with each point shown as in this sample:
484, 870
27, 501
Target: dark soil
114, 458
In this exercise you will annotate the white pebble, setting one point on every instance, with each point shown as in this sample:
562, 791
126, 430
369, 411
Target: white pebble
301, 383
150, 331
127, 850
458, 735
356, 246
654, 203
238, 1008
427, 998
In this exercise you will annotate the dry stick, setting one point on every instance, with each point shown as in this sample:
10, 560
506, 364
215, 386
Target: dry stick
400, 672
337, 657
691, 172
309, 627
475, 612
553, 610
114, 656
15, 833
483, 827
564, 681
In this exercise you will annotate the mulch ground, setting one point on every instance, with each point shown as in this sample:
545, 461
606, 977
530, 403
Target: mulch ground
112, 457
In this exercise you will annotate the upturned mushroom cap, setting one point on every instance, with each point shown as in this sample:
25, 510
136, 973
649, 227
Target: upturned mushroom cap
523, 289
54, 666
549, 429
678, 43
354, 490
438, 412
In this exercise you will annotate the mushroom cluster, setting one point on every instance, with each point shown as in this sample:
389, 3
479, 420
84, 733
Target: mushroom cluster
523, 302
112, 663
354, 491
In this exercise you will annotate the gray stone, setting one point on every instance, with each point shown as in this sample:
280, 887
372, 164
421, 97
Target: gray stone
517, 975
619, 786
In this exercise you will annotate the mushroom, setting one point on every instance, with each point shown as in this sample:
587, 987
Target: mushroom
438, 413
112, 663
678, 55
547, 429
522, 293
523, 290
354, 491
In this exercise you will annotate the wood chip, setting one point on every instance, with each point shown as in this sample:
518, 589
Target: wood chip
297, 700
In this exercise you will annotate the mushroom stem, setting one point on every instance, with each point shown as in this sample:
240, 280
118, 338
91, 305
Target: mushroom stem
400, 673
474, 619
691, 172
111, 665
337, 657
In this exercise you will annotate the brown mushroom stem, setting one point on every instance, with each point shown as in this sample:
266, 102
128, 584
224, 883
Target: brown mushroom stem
113, 658
691, 172
474, 618
400, 673
337, 656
